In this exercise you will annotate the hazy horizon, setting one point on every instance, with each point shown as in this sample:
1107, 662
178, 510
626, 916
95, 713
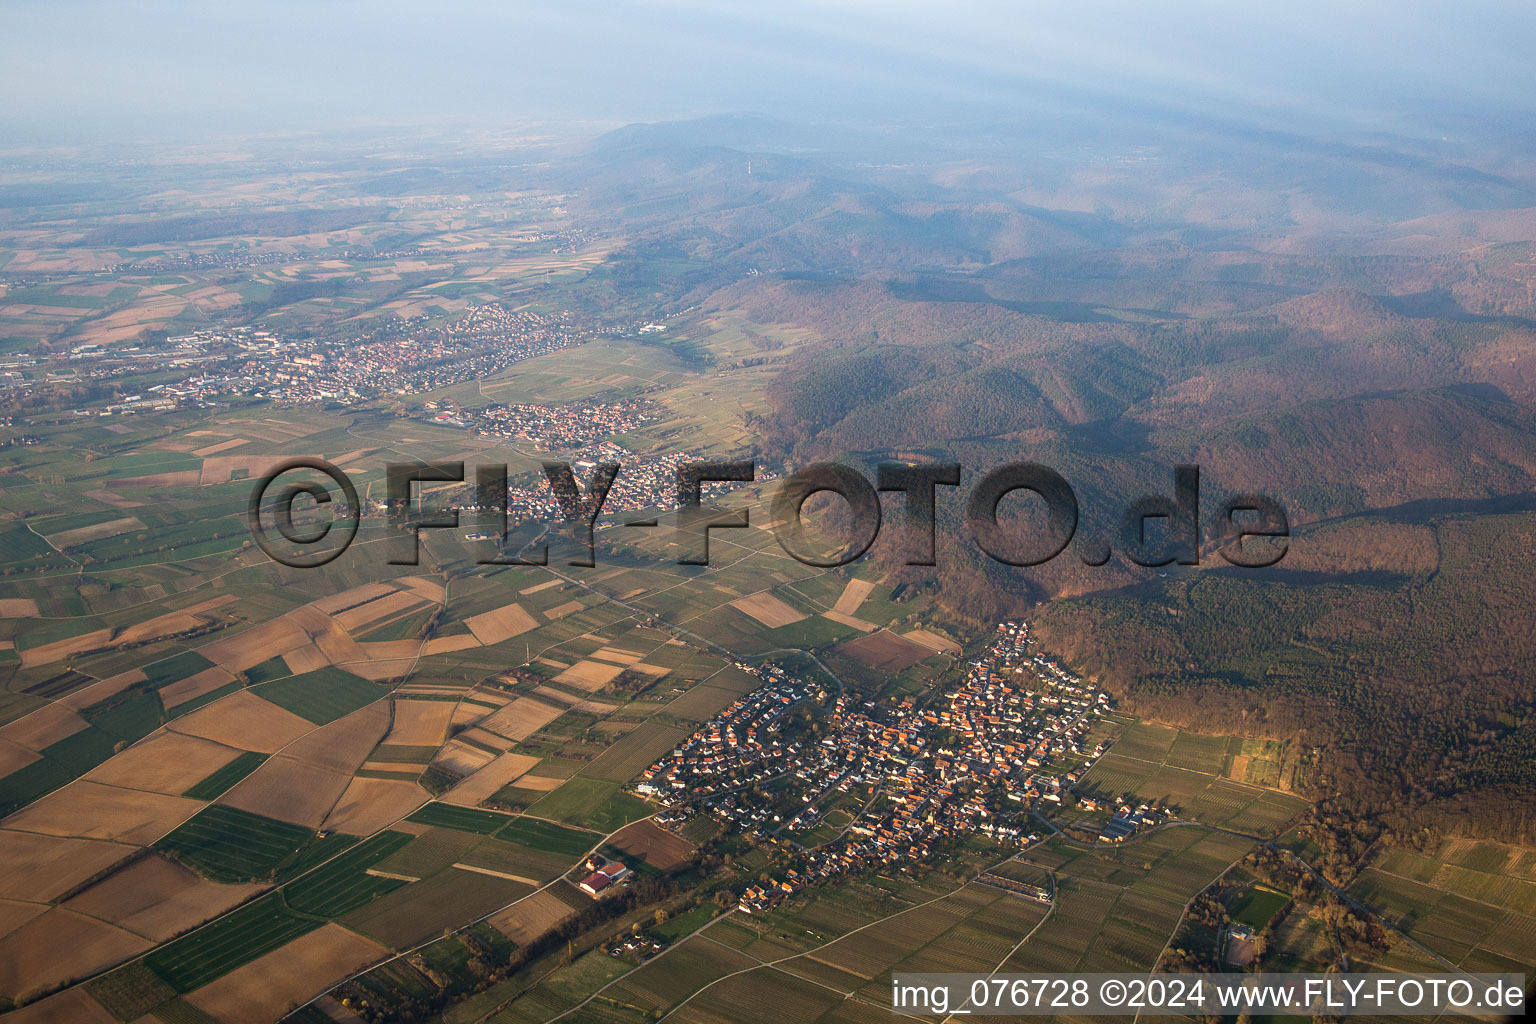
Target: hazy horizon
87, 71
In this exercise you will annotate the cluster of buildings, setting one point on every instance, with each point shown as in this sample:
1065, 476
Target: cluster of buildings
739, 748
392, 356
1015, 716
92, 365
643, 484
910, 780
559, 241
243, 259
602, 876
549, 427
642, 946
1127, 821
409, 356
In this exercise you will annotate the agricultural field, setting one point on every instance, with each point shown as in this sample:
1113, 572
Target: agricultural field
546, 835
461, 819
393, 770
157, 898
603, 806
1191, 775
670, 979
446, 900
215, 785
271, 985
213, 951
629, 756
230, 845
322, 696
655, 845
1473, 903
1115, 910
343, 883
528, 724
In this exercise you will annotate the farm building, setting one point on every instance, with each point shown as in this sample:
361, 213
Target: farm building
599, 880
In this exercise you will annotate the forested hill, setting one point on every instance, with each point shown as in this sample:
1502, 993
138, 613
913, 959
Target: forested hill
1350, 329
1396, 635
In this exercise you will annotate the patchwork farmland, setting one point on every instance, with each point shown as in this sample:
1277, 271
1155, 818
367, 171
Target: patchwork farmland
236, 790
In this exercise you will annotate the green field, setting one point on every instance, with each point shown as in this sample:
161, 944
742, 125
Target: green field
77, 754
675, 928
669, 979
342, 884
598, 805
215, 785
187, 707
1199, 753
1257, 906
463, 819
168, 670
794, 1000
569, 985
128, 716
546, 835
523, 860
446, 900
1146, 742
402, 628
634, 752
20, 545
230, 845
237, 938
702, 702
31, 781
431, 852
321, 696
272, 668
398, 754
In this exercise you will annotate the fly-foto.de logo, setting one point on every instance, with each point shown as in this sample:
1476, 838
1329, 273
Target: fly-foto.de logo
1153, 529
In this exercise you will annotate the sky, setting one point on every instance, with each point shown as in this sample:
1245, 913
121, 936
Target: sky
79, 69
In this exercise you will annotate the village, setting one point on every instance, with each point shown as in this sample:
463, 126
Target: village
398, 356
646, 483
550, 428
983, 758
406, 356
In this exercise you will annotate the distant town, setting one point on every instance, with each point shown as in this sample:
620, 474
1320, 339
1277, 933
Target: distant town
396, 356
